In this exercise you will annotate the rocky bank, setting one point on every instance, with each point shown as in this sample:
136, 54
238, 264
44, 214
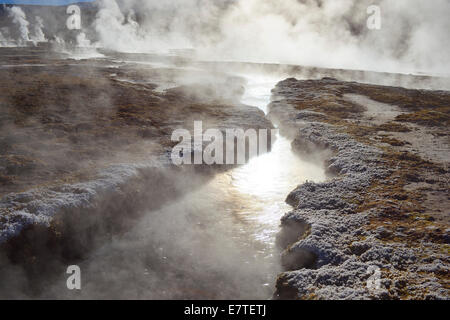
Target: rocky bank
379, 228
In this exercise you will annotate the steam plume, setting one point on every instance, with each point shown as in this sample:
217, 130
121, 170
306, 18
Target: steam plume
323, 33
39, 35
20, 19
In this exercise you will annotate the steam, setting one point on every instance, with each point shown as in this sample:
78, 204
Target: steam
159, 26
5, 39
117, 31
39, 35
307, 32
323, 33
20, 19
82, 41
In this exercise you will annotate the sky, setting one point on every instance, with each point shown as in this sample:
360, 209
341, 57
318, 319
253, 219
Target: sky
43, 2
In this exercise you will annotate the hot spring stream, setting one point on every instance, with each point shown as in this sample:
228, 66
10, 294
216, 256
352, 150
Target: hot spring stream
217, 242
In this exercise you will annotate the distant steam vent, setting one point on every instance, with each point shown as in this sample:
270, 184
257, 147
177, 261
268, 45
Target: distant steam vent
34, 23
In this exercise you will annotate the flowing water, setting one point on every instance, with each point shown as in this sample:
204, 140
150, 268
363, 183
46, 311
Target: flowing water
216, 242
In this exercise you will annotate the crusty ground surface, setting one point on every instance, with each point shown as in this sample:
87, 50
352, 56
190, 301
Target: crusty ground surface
401, 205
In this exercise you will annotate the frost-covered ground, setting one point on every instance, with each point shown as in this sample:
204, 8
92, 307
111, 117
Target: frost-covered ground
361, 235
77, 169
40, 206
86, 153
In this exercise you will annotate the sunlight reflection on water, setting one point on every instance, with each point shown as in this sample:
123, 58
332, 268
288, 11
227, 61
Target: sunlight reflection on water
261, 186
